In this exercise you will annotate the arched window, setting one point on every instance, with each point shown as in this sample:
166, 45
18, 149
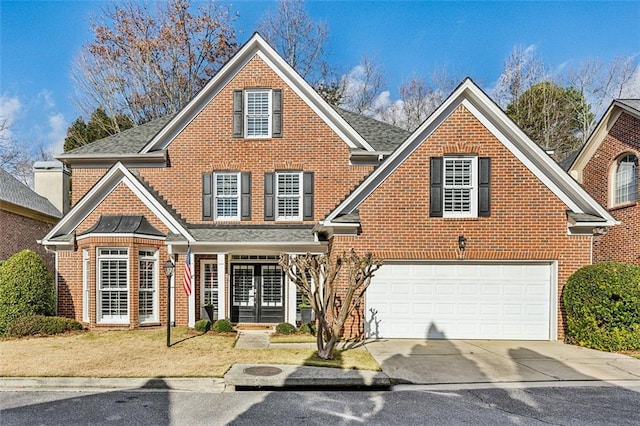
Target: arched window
626, 179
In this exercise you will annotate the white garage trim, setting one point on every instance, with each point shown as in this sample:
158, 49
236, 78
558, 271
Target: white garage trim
455, 299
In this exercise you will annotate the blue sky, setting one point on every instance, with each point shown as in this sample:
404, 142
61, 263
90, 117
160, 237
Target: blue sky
38, 40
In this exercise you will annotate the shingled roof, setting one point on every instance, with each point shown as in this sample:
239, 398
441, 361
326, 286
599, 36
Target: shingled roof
15, 192
129, 141
381, 136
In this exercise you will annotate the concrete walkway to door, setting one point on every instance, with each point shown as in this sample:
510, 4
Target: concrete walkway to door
413, 361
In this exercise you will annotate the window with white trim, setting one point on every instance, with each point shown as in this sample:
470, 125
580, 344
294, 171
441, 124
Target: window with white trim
257, 113
626, 180
210, 283
289, 196
460, 187
227, 195
113, 285
86, 295
148, 286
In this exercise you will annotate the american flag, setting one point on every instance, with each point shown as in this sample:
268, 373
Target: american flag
186, 282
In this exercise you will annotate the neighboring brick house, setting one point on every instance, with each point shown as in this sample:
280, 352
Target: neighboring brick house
25, 218
607, 167
258, 165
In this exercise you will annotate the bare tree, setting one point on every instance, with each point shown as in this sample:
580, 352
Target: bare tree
147, 63
299, 40
362, 86
317, 277
522, 69
599, 84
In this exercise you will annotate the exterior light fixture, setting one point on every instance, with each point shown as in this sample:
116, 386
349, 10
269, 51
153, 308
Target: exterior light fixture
168, 271
462, 242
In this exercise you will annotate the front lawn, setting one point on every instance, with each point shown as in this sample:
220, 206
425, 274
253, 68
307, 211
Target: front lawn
143, 353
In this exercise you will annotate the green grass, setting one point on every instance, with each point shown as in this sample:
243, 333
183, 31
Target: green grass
143, 353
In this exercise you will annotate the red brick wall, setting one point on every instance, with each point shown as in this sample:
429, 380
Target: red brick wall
207, 144
527, 222
619, 242
120, 201
20, 233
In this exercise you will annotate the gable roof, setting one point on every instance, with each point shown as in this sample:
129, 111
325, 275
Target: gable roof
505, 130
257, 46
617, 107
14, 192
101, 190
381, 136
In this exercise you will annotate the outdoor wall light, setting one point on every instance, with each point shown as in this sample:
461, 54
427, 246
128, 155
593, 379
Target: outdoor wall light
168, 271
462, 242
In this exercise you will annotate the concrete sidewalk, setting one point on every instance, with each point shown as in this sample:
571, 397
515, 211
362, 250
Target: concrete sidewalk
405, 363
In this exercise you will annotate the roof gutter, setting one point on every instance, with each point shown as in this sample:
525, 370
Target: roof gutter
155, 157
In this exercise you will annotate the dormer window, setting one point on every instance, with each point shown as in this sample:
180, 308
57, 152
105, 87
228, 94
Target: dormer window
257, 113
625, 180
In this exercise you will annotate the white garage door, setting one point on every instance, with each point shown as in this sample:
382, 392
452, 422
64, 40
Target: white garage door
460, 301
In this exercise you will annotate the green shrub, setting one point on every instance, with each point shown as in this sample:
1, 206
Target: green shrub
26, 288
34, 325
203, 325
306, 329
602, 304
222, 326
285, 328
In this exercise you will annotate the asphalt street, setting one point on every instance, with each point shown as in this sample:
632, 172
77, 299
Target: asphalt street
533, 405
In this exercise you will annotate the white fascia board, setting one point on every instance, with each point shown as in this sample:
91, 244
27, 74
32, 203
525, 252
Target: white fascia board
124, 235
482, 107
416, 139
118, 173
338, 124
257, 46
534, 158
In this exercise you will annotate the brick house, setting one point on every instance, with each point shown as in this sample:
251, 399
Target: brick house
478, 227
607, 167
25, 217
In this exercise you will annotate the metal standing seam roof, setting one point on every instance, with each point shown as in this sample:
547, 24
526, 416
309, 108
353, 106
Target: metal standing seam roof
121, 224
15, 192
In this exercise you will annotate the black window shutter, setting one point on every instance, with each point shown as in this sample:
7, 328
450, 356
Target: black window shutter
245, 196
307, 201
276, 114
207, 196
484, 186
238, 114
269, 197
435, 187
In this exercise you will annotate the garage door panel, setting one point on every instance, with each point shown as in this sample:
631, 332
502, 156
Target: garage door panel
462, 301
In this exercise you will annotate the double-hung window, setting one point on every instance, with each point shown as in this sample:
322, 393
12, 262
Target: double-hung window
113, 285
227, 196
460, 186
288, 196
258, 113
626, 180
148, 285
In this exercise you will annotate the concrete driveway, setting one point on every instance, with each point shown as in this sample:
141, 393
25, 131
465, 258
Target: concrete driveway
497, 361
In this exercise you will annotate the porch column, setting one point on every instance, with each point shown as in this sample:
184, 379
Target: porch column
222, 285
291, 301
192, 297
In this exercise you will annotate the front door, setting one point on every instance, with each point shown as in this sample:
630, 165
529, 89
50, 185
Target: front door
257, 293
